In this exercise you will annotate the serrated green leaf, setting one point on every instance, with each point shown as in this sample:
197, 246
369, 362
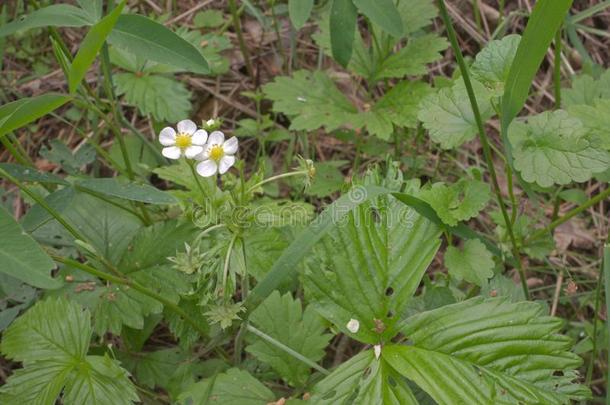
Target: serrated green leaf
22, 257
522, 229
164, 98
312, 101
299, 12
90, 46
282, 318
488, 351
343, 22
153, 41
208, 19
383, 13
457, 202
448, 116
413, 58
113, 187
230, 388
155, 369
416, 14
586, 90
52, 340
553, 148
492, 64
363, 380
596, 118
367, 268
25, 110
71, 162
474, 263
56, 15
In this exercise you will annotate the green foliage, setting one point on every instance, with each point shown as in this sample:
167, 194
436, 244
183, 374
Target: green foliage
299, 11
114, 187
474, 263
492, 64
553, 148
343, 20
56, 15
208, 19
52, 341
70, 161
383, 13
25, 110
448, 116
596, 118
586, 90
281, 317
22, 257
413, 58
457, 202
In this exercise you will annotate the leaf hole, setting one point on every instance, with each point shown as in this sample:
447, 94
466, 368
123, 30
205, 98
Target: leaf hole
389, 291
390, 314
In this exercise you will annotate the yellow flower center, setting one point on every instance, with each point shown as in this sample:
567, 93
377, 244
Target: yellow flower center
183, 141
216, 153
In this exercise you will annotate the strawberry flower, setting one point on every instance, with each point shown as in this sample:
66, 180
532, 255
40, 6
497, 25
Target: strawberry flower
217, 156
187, 141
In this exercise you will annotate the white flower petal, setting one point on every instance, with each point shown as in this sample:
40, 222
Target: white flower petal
230, 146
167, 136
193, 151
353, 325
207, 168
172, 152
225, 163
210, 122
187, 127
216, 138
377, 349
199, 137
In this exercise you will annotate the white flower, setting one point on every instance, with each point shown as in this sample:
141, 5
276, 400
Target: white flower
188, 141
353, 325
377, 349
217, 156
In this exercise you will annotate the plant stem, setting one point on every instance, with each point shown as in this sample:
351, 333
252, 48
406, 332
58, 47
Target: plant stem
279, 176
607, 290
595, 320
136, 286
557, 68
196, 177
287, 349
240, 39
570, 214
19, 157
225, 269
484, 142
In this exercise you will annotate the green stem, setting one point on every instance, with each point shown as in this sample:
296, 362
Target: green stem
191, 164
17, 155
595, 320
278, 177
287, 349
240, 39
570, 214
136, 286
484, 142
557, 68
607, 290
225, 269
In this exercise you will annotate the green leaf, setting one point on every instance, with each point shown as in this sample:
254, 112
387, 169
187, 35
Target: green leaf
547, 16
413, 58
29, 174
282, 318
23, 111
416, 14
166, 99
587, 90
367, 268
52, 340
113, 187
383, 13
492, 64
230, 388
596, 118
312, 101
448, 116
208, 19
71, 162
153, 41
553, 148
90, 46
488, 351
363, 380
343, 19
22, 257
92, 7
398, 107
299, 12
57, 15
459, 201
474, 263
155, 369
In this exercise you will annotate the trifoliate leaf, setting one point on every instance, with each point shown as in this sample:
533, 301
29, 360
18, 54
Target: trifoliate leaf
596, 118
52, 340
492, 64
553, 148
282, 318
230, 388
398, 107
457, 202
474, 263
164, 98
587, 90
448, 115
413, 58
312, 101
